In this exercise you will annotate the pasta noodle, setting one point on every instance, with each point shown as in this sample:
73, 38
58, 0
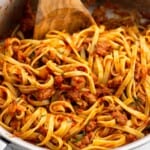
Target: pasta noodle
89, 90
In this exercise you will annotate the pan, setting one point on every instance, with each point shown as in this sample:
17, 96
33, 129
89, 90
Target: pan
11, 11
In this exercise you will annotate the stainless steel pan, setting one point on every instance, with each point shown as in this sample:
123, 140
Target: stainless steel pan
10, 13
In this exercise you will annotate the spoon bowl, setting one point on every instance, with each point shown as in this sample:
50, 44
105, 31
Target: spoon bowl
63, 15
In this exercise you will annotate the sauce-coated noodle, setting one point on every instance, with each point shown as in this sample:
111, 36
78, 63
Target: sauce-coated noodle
89, 90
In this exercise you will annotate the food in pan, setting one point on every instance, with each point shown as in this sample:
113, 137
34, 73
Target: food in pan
89, 90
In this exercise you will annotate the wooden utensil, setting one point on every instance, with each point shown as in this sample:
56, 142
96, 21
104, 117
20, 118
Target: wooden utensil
63, 15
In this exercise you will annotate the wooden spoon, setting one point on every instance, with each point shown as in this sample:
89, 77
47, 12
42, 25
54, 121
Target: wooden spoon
63, 15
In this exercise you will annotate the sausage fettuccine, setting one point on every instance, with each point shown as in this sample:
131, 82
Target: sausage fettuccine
89, 90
